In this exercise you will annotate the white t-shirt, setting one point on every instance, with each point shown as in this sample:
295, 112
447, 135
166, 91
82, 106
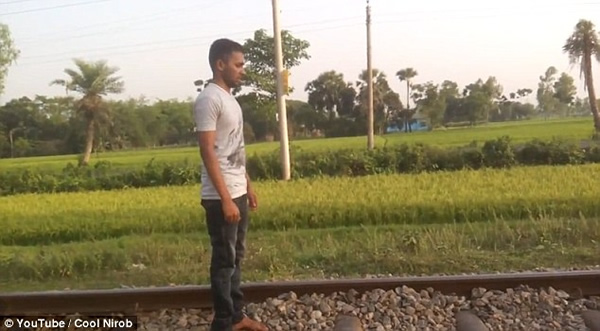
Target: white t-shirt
216, 109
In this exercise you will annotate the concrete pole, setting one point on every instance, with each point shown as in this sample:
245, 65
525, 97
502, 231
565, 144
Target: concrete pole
370, 138
283, 129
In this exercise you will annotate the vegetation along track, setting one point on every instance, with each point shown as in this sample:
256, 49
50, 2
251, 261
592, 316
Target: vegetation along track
576, 283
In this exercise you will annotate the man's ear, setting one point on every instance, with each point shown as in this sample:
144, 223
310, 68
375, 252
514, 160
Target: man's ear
220, 65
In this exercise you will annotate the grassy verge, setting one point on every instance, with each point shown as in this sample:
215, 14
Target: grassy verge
462, 196
335, 252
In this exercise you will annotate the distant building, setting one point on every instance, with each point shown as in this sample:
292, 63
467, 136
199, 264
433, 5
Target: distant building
419, 122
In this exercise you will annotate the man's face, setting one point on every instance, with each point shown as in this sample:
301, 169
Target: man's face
233, 70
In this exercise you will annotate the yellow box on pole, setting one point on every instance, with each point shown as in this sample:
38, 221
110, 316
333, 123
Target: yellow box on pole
286, 78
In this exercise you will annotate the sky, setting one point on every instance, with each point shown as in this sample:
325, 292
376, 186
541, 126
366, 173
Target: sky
161, 47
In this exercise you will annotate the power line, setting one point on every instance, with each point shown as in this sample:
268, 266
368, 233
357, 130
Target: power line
61, 36
149, 18
203, 42
119, 47
177, 24
474, 16
206, 38
377, 22
143, 18
120, 29
13, 2
509, 10
53, 7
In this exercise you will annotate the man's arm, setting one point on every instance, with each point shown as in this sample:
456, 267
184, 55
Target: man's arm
252, 199
206, 140
206, 113
248, 186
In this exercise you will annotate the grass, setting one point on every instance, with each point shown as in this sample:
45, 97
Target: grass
571, 129
466, 221
163, 259
426, 198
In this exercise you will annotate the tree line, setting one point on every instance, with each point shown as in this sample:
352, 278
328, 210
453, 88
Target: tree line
336, 106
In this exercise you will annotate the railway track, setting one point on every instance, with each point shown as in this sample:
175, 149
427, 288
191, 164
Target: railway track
577, 284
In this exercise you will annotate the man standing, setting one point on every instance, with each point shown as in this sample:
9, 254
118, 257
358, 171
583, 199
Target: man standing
226, 191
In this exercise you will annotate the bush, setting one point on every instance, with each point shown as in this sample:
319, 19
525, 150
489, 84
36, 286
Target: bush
499, 153
555, 152
592, 154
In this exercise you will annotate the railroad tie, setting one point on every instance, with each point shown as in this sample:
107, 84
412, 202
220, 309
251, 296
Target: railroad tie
347, 323
467, 321
592, 319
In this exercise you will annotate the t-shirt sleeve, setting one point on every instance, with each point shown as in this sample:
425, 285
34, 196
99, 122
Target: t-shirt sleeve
206, 112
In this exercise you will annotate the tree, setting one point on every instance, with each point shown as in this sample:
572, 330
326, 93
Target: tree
4, 144
510, 108
406, 75
325, 94
581, 46
18, 117
42, 122
385, 101
8, 53
432, 100
177, 117
261, 77
478, 106
481, 99
564, 92
259, 52
260, 113
94, 80
303, 119
547, 102
564, 89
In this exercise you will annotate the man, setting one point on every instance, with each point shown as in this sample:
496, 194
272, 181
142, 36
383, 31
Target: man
226, 191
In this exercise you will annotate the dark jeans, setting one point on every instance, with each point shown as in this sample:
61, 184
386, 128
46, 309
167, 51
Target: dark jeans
228, 242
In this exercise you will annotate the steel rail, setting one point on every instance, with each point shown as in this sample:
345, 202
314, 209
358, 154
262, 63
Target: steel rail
576, 283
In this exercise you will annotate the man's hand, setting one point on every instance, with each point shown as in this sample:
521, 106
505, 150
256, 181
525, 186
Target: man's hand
231, 211
206, 140
252, 200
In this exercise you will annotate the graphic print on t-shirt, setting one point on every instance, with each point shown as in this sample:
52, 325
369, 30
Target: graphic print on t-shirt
236, 138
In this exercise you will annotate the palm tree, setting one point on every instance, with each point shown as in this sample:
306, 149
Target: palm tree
406, 75
383, 97
94, 80
325, 93
581, 46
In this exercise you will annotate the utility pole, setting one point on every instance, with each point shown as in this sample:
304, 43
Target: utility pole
370, 138
283, 130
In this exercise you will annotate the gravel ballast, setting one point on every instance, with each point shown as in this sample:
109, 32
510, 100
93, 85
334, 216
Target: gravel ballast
403, 308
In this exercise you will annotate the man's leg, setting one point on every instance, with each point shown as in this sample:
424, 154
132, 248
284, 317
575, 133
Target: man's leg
223, 238
240, 248
240, 320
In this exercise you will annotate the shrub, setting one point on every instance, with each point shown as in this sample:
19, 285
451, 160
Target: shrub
498, 153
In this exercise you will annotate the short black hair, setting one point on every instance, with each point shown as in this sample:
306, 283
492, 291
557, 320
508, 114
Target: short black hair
221, 49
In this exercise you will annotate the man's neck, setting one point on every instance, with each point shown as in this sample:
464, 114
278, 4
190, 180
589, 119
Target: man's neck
221, 84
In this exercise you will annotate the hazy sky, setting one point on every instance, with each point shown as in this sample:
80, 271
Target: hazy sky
161, 46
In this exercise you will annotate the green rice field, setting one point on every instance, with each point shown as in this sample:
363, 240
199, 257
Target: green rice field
570, 129
463, 221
